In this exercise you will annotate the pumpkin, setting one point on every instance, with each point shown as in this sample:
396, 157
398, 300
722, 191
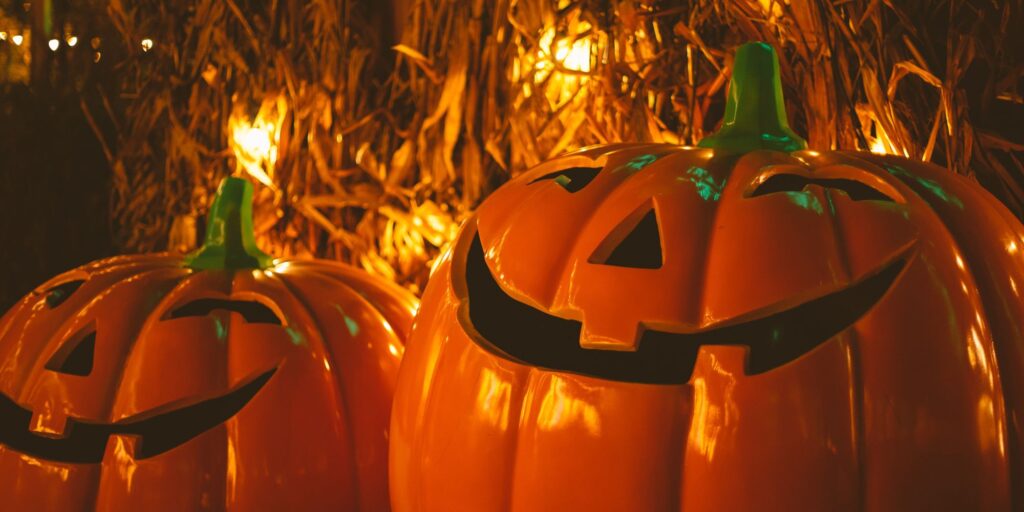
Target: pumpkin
745, 325
222, 380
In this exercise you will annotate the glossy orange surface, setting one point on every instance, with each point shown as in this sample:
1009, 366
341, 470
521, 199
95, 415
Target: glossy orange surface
312, 437
916, 404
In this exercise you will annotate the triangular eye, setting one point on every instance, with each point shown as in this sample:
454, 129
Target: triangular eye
253, 312
75, 357
634, 243
785, 182
572, 179
58, 294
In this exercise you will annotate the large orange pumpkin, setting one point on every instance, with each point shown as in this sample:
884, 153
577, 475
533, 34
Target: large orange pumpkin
748, 325
221, 381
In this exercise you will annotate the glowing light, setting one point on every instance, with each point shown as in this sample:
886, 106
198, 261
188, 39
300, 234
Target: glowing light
3, 36
53, 44
571, 54
560, 64
72, 41
1011, 247
773, 8
147, 44
255, 143
959, 262
18, 39
878, 147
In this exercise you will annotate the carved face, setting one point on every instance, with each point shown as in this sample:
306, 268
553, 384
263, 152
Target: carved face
137, 383
653, 325
606, 315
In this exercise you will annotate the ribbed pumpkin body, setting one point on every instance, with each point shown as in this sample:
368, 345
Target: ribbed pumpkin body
201, 389
797, 331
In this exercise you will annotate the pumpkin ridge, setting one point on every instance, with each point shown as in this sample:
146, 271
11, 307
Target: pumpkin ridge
1008, 435
338, 388
727, 161
855, 377
857, 407
118, 382
160, 305
527, 395
369, 301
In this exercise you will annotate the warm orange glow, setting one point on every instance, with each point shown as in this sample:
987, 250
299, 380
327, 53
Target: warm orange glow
773, 8
559, 64
878, 147
18, 39
147, 44
254, 143
570, 54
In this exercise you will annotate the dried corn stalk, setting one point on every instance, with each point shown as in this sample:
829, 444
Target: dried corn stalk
378, 171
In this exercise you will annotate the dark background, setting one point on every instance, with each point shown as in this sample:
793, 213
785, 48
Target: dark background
54, 189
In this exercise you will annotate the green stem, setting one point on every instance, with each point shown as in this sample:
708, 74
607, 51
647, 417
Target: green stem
230, 241
755, 113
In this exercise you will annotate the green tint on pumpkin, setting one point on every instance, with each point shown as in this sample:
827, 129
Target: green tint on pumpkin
230, 242
805, 200
351, 324
707, 187
755, 113
931, 185
637, 163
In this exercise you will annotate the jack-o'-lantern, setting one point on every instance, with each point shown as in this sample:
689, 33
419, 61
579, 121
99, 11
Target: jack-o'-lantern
223, 380
746, 325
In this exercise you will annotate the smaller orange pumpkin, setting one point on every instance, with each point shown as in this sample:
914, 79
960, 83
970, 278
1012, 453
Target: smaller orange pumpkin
222, 380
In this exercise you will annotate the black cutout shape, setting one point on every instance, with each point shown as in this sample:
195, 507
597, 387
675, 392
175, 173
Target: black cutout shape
76, 357
84, 442
58, 294
572, 179
517, 331
254, 312
785, 182
640, 248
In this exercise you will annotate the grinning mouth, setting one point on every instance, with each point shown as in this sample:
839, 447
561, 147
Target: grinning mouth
85, 442
517, 331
